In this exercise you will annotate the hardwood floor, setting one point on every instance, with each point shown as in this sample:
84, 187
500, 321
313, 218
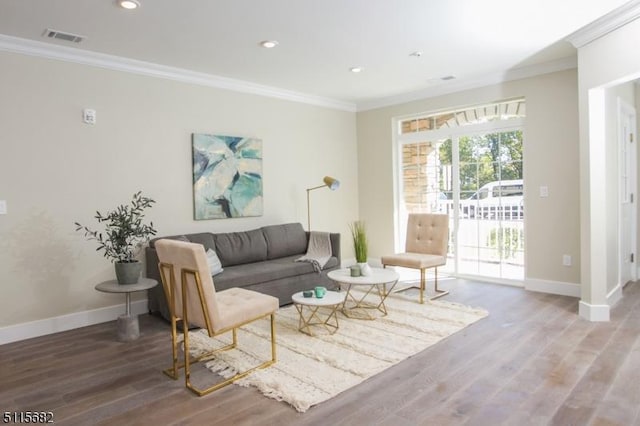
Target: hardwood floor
533, 361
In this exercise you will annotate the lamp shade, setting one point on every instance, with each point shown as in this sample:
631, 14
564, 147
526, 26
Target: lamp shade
332, 183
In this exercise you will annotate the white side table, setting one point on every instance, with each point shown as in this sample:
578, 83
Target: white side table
128, 326
309, 307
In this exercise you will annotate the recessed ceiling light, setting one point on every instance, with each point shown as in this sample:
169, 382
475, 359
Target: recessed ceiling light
416, 54
269, 44
356, 69
129, 4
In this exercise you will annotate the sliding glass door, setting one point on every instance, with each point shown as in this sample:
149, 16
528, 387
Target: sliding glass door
475, 175
490, 232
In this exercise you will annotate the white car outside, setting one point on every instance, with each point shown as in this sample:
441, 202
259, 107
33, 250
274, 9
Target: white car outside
496, 200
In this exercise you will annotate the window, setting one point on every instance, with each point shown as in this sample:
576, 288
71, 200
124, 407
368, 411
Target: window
500, 111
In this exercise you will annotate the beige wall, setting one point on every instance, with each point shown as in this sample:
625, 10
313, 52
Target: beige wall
550, 152
605, 62
55, 170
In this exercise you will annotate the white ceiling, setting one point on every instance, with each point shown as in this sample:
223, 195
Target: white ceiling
319, 40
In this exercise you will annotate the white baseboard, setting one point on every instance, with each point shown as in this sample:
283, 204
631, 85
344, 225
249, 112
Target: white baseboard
27, 330
600, 313
614, 296
595, 313
552, 287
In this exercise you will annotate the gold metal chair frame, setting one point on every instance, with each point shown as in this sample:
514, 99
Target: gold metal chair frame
174, 370
422, 286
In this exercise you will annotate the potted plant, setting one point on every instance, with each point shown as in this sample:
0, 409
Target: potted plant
359, 235
123, 236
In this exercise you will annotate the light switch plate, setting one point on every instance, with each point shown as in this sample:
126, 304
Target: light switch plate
544, 191
3, 207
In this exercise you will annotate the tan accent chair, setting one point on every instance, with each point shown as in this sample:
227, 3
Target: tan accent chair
193, 299
426, 247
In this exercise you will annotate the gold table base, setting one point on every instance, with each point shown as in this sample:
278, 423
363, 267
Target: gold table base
359, 308
310, 316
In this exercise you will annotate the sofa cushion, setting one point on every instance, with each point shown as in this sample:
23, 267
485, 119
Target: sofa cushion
204, 238
258, 272
236, 248
285, 240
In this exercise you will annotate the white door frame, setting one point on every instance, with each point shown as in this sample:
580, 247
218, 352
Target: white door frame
627, 111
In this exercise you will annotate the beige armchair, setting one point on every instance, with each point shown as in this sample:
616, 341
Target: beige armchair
426, 247
193, 299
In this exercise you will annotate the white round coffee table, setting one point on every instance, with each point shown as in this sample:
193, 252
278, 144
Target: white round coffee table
318, 311
365, 293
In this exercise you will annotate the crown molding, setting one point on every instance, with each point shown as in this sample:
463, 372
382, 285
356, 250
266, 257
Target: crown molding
566, 63
604, 25
101, 60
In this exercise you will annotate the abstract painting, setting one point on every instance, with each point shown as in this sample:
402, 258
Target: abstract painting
227, 176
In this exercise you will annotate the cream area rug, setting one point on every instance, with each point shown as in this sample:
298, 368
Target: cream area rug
311, 370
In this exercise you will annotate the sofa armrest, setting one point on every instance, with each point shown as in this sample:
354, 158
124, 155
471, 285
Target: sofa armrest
335, 246
151, 259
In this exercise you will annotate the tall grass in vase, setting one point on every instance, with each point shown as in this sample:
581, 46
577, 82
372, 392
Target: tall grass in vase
359, 235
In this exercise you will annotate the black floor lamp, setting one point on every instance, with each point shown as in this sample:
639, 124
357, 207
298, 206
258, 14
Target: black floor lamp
330, 183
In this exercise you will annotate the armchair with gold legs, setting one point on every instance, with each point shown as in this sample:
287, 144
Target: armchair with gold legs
192, 298
426, 247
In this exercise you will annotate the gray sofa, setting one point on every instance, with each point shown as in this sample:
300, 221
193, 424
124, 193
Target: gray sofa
261, 259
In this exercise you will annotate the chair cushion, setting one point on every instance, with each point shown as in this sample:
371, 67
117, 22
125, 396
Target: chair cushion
413, 260
238, 306
182, 256
427, 233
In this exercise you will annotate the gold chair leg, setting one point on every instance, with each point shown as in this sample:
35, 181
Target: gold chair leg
235, 338
187, 358
202, 392
423, 285
439, 293
273, 338
173, 370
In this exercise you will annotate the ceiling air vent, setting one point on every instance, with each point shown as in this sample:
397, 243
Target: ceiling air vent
49, 33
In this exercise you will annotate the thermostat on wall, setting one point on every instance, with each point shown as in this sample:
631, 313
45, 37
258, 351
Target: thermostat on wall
89, 116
